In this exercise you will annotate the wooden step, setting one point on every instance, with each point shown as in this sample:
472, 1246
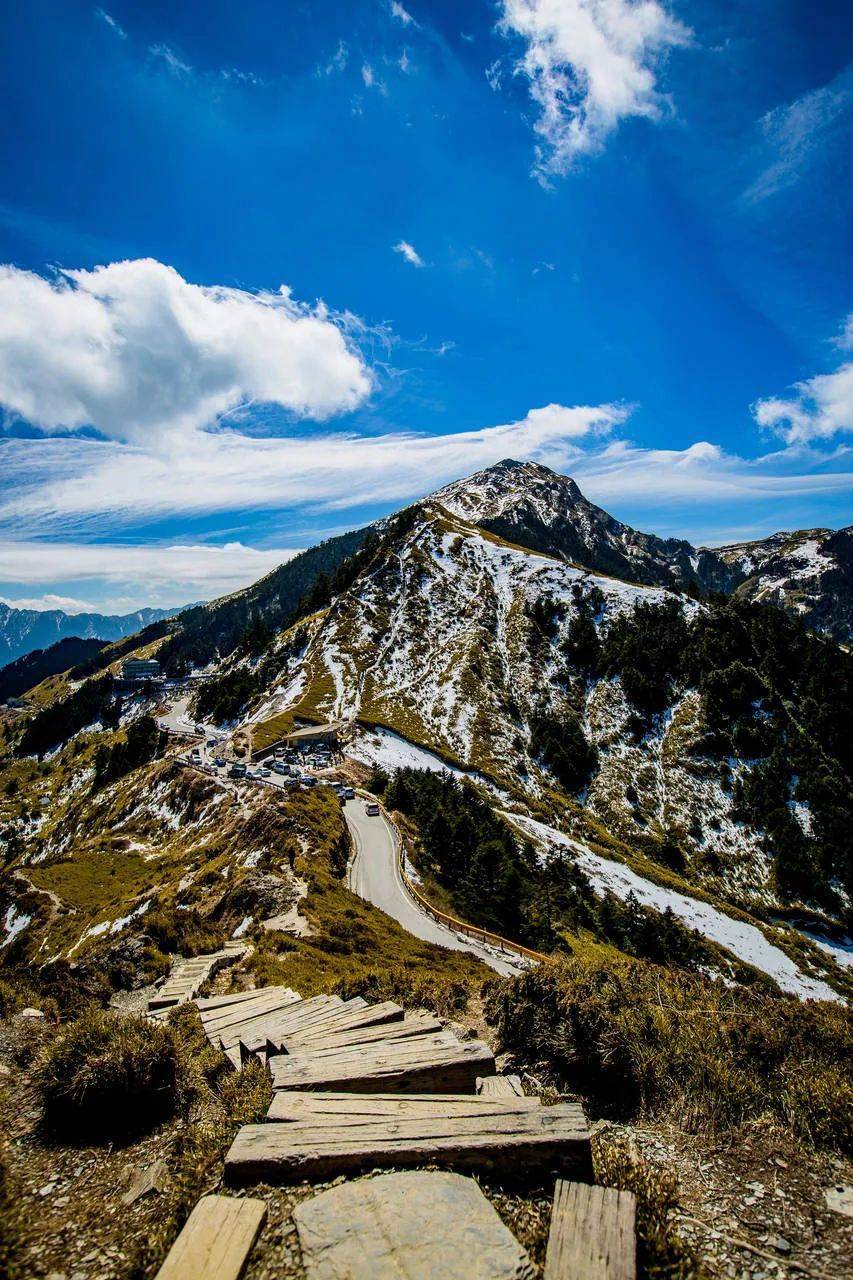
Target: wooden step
207, 1004
255, 1030
218, 1021
187, 976
410, 1026
499, 1087
427, 1064
353, 1109
342, 1019
592, 1235
494, 1136
216, 1240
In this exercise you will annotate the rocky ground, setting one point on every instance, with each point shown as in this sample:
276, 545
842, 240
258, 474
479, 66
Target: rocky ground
754, 1203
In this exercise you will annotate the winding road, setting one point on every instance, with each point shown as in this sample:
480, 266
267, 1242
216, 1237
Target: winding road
374, 874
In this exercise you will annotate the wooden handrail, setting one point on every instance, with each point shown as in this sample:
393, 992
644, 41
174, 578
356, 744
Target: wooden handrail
451, 922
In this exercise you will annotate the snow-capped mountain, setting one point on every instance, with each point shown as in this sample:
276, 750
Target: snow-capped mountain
456, 641
528, 503
462, 640
23, 630
809, 572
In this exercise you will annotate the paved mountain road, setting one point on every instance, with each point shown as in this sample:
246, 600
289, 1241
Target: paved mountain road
374, 874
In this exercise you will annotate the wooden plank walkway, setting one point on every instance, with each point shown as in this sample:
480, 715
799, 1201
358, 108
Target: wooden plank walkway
427, 1064
592, 1235
188, 976
216, 1240
485, 1135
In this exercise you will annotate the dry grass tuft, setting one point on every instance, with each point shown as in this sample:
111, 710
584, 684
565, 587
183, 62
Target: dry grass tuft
634, 1038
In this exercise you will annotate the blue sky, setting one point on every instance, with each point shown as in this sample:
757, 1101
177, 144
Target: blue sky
615, 237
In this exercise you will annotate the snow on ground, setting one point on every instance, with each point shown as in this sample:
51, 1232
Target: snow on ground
745, 941
110, 926
389, 751
841, 951
14, 921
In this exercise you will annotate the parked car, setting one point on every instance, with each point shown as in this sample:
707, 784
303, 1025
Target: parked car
211, 742
237, 770
219, 762
308, 781
263, 773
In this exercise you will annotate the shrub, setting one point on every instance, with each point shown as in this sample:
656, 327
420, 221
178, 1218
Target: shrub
108, 1076
185, 932
637, 1038
414, 990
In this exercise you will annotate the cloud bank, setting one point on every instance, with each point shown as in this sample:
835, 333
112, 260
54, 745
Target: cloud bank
138, 353
590, 64
127, 577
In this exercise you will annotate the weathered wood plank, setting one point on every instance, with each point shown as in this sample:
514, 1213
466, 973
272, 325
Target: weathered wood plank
344, 1018
216, 1240
532, 1139
592, 1235
207, 1004
499, 1086
222, 1019
427, 1064
320, 1011
339, 1109
412, 1025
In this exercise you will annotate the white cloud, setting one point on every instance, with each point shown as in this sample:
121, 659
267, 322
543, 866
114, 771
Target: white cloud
176, 65
591, 64
402, 15
137, 352
792, 135
370, 80
128, 577
820, 407
64, 483
68, 604
409, 252
103, 16
337, 62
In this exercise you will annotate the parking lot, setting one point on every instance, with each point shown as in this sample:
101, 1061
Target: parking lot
284, 769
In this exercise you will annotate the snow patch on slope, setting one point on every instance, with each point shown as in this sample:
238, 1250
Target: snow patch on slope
743, 940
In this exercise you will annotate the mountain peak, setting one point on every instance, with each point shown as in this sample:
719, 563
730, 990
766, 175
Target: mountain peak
492, 493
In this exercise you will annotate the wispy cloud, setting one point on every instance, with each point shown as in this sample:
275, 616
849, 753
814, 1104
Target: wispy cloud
590, 64
337, 62
795, 134
72, 486
109, 20
409, 252
170, 59
402, 15
820, 407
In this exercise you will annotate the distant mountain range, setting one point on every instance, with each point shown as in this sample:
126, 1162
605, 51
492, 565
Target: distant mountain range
23, 630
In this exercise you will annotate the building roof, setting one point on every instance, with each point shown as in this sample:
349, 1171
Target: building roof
316, 730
